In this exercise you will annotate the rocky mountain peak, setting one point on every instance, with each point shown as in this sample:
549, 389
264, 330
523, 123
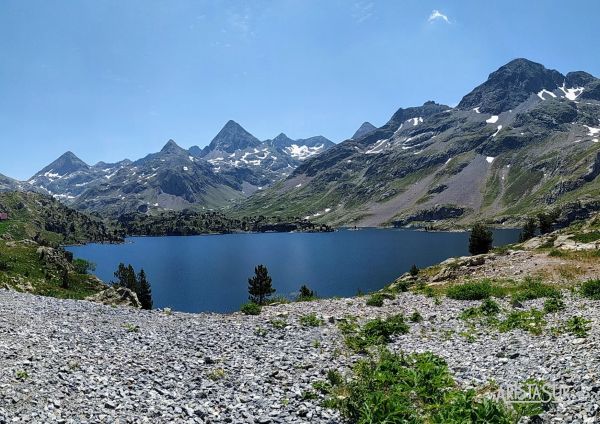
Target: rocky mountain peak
364, 129
511, 85
67, 163
282, 140
232, 137
429, 108
579, 79
172, 147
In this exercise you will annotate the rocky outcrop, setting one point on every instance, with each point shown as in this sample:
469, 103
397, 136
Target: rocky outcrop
433, 214
116, 296
54, 258
576, 211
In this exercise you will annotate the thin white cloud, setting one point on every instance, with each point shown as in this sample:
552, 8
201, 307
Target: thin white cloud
436, 15
362, 10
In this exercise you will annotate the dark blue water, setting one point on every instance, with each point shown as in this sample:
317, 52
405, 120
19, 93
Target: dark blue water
210, 273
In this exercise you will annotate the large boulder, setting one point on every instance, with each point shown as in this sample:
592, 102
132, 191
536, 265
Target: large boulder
54, 258
116, 295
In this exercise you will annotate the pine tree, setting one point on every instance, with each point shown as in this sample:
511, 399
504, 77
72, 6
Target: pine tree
528, 231
125, 276
546, 221
144, 291
481, 240
414, 270
305, 293
260, 286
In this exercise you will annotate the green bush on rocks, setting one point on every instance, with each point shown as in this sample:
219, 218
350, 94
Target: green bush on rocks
478, 290
251, 308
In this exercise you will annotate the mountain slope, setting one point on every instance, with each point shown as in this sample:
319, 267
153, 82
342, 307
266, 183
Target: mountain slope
169, 179
8, 184
41, 217
521, 141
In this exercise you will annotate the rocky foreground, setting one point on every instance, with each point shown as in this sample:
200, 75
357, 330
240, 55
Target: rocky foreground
81, 362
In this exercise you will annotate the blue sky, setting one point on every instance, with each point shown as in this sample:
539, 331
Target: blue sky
114, 79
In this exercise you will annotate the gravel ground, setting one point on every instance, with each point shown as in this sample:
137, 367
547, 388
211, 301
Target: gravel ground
76, 361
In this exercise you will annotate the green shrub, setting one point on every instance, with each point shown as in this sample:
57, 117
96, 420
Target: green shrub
375, 300
278, 323
587, 237
553, 304
251, 308
591, 289
415, 388
415, 317
334, 377
429, 291
532, 321
261, 332
578, 326
310, 320
489, 307
322, 387
375, 332
402, 286
216, 374
4, 265
470, 291
309, 395
533, 289
131, 328
470, 313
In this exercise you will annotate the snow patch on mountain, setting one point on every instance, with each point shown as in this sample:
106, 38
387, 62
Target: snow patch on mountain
544, 91
378, 147
592, 131
415, 121
492, 120
304, 152
571, 93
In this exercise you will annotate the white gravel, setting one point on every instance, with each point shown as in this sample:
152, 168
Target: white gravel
83, 364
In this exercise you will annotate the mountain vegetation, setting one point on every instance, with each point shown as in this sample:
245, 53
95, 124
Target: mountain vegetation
189, 222
31, 256
44, 219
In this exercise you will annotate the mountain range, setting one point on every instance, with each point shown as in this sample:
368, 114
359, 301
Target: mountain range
526, 139
230, 168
